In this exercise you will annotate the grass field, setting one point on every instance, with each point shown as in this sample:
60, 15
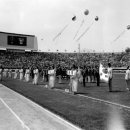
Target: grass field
86, 113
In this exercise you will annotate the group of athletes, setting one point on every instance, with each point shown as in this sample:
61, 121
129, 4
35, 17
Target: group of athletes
75, 74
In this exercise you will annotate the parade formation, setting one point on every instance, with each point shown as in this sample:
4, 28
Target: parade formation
75, 75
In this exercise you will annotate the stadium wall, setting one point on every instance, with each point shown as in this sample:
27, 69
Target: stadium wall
18, 41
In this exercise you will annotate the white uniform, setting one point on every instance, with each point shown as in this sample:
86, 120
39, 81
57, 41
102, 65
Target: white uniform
10, 73
16, 74
27, 73
21, 74
51, 78
74, 80
70, 73
5, 73
36, 76
109, 73
127, 79
80, 75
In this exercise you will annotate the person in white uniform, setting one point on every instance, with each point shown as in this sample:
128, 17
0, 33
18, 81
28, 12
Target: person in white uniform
21, 73
36, 76
52, 73
127, 78
5, 72
9, 73
16, 74
69, 73
75, 79
27, 78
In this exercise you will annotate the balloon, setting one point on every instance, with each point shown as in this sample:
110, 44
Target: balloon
74, 18
128, 27
96, 18
86, 12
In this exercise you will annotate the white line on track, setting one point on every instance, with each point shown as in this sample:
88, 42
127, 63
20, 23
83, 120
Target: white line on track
22, 123
53, 115
105, 101
100, 100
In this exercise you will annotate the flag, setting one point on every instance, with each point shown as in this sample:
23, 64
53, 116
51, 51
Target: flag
103, 74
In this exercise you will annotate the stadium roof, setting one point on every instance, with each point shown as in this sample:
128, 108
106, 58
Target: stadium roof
17, 34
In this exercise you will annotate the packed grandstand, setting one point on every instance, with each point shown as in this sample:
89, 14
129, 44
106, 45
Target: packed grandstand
44, 59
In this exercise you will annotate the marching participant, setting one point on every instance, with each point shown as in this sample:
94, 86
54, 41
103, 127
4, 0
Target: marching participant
36, 76
5, 72
21, 73
70, 73
80, 75
27, 73
97, 74
16, 74
52, 73
43, 75
89, 74
10, 73
59, 73
109, 77
75, 79
84, 75
46, 74
127, 78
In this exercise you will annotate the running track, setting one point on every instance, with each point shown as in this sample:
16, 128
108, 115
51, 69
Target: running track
19, 113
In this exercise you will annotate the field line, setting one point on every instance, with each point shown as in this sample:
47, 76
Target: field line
100, 100
105, 101
18, 118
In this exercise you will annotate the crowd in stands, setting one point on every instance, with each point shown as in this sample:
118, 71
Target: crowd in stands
44, 59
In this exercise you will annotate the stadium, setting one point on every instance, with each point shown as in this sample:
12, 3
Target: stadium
74, 89
91, 101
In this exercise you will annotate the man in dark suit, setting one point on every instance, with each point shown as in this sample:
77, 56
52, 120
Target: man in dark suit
97, 75
84, 72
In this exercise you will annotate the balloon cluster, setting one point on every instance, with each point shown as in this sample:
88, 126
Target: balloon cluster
74, 18
86, 12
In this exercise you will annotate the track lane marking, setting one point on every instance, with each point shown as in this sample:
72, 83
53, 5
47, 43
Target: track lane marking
106, 102
18, 118
99, 100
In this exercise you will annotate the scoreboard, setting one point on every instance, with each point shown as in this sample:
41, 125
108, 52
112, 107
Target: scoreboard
18, 41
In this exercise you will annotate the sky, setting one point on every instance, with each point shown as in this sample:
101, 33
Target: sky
46, 18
